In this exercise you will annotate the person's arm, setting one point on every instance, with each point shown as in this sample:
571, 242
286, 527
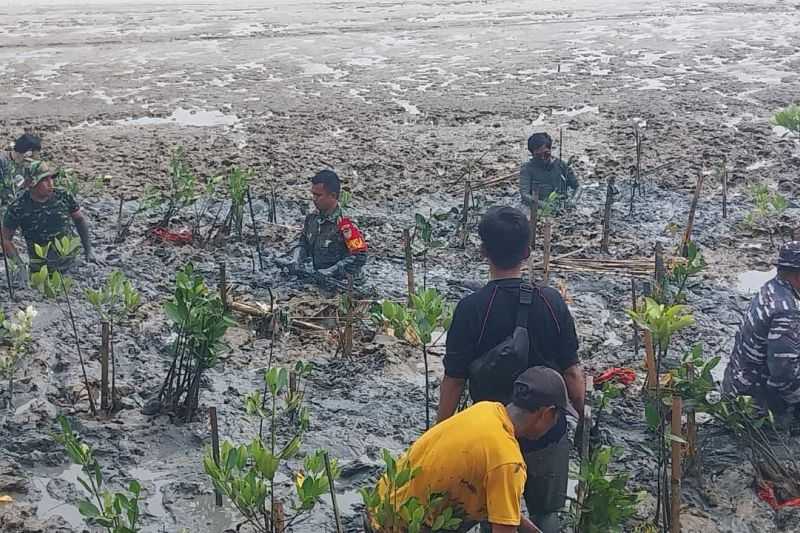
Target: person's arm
525, 185
356, 245
449, 396
82, 226
576, 387
459, 353
9, 228
783, 357
526, 526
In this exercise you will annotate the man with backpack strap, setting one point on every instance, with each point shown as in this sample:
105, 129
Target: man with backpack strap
486, 346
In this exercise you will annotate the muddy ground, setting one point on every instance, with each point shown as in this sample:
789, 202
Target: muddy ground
398, 97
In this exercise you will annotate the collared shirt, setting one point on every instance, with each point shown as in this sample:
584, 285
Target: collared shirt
546, 177
41, 222
766, 354
323, 242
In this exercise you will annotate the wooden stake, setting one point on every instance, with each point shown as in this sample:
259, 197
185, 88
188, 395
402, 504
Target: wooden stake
561, 143
607, 215
661, 271
724, 189
690, 225
104, 351
329, 473
212, 416
465, 213
409, 265
650, 360
635, 302
585, 457
255, 229
691, 422
6, 263
347, 336
119, 220
675, 493
547, 230
534, 218
223, 285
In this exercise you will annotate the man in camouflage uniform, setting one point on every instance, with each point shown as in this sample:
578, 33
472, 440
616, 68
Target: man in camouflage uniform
330, 242
42, 213
13, 170
765, 362
544, 173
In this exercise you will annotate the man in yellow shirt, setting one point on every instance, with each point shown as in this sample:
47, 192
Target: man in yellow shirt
473, 459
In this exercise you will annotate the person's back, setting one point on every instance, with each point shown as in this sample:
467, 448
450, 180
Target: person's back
474, 458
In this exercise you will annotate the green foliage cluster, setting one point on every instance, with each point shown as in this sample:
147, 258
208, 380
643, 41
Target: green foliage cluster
789, 118
200, 320
608, 504
181, 193
116, 512
116, 299
768, 207
53, 283
409, 515
238, 183
16, 332
246, 473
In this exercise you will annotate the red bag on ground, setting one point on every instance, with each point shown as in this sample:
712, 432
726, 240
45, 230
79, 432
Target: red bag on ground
626, 376
183, 236
767, 494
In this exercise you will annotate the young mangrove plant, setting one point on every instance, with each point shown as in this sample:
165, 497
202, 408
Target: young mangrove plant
768, 208
389, 514
182, 191
17, 332
116, 512
789, 118
199, 320
608, 504
422, 242
416, 324
246, 473
238, 181
54, 285
673, 289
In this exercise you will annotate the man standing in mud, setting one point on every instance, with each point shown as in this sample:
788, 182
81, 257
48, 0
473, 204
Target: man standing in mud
765, 362
545, 174
473, 459
13, 170
42, 213
330, 241
485, 324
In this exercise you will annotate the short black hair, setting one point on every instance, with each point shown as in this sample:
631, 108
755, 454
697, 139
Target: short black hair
505, 234
539, 139
27, 143
329, 179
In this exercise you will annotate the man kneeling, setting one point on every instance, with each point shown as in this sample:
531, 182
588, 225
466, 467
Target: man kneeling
474, 460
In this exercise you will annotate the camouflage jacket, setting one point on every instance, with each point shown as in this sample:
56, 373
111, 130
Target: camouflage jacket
765, 362
41, 222
326, 240
545, 177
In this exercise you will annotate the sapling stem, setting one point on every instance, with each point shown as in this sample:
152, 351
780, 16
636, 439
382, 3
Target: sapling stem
78, 346
329, 474
427, 388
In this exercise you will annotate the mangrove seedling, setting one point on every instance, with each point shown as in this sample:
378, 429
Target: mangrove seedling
768, 207
422, 241
246, 473
673, 290
116, 512
789, 118
238, 182
416, 324
17, 331
199, 319
608, 504
182, 191
54, 285
409, 515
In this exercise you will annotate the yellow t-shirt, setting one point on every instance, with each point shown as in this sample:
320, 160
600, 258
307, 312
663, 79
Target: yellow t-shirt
474, 458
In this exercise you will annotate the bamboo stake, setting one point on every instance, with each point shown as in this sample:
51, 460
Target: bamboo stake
724, 189
661, 271
650, 361
585, 458
607, 215
212, 416
561, 143
547, 230
119, 220
534, 218
675, 493
223, 285
104, 351
5, 262
691, 422
329, 473
690, 225
347, 338
635, 302
409, 265
465, 213
255, 230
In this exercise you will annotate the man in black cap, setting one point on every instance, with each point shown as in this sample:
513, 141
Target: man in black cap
43, 213
545, 174
13, 170
765, 362
523, 327
474, 460
330, 241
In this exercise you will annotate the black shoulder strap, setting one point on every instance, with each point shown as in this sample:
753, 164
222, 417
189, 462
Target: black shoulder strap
525, 299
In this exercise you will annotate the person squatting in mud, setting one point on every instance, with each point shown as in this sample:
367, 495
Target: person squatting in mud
473, 458
546, 174
330, 243
14, 172
42, 212
498, 332
765, 362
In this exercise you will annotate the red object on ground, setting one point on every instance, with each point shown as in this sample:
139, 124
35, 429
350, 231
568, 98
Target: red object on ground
767, 494
626, 376
183, 236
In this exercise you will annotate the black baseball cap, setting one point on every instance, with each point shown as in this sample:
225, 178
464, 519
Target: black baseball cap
789, 256
540, 386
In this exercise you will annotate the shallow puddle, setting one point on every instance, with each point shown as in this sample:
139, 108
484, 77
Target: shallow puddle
186, 117
751, 281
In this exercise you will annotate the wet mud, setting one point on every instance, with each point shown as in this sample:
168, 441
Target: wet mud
398, 98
